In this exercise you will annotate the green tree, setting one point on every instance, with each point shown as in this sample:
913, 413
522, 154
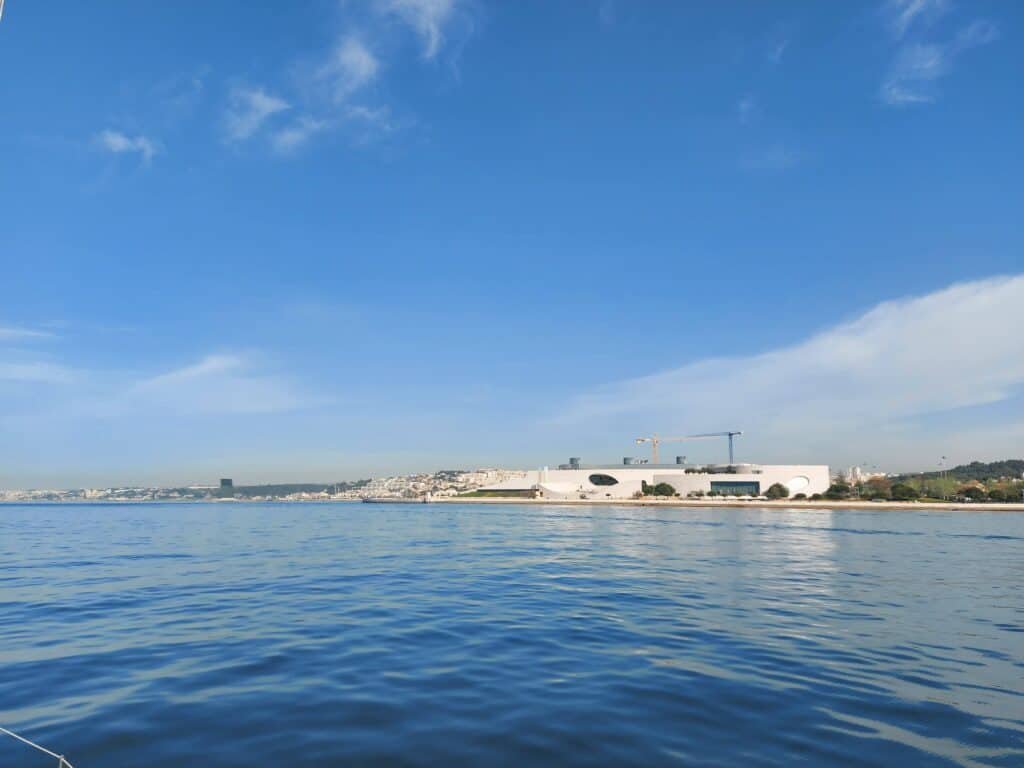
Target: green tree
661, 489
777, 491
972, 492
840, 489
904, 492
997, 494
877, 488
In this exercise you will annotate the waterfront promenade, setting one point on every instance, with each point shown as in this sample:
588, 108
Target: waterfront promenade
902, 506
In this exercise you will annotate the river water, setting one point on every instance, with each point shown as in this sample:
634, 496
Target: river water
356, 634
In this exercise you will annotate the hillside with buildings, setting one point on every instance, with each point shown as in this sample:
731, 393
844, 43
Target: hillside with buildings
442, 483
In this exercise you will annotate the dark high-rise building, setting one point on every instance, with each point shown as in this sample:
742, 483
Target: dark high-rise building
226, 482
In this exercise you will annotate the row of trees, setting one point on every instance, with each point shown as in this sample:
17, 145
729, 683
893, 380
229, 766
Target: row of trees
1000, 495
881, 488
908, 489
875, 488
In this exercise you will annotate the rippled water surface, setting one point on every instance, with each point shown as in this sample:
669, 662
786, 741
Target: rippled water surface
357, 634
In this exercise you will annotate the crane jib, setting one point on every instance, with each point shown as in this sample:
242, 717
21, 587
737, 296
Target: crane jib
655, 440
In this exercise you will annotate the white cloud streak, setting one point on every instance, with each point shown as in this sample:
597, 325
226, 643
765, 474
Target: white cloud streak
16, 334
292, 137
426, 17
217, 384
248, 110
904, 360
747, 110
917, 66
119, 143
333, 90
904, 14
34, 372
350, 67
778, 50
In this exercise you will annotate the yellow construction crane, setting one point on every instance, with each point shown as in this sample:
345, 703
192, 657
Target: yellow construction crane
655, 440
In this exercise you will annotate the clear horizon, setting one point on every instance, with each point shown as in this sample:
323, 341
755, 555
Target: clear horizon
389, 236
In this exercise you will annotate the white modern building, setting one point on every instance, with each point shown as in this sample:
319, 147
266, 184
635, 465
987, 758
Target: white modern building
623, 481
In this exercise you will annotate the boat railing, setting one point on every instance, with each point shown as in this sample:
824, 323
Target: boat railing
61, 762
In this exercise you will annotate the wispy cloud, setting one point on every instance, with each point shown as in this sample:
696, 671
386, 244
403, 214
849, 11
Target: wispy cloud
248, 110
293, 136
903, 14
368, 124
874, 373
221, 383
120, 143
746, 109
427, 18
778, 49
66, 417
777, 157
34, 372
179, 95
350, 67
22, 366
778, 39
334, 92
16, 333
347, 70
226, 383
376, 116
918, 66
980, 32
915, 67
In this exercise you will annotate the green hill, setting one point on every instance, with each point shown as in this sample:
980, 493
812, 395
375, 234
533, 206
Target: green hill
981, 470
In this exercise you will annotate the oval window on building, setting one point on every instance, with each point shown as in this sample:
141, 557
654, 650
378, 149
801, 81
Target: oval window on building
603, 480
798, 484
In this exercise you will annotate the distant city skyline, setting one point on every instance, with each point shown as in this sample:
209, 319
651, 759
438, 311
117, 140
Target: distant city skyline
387, 236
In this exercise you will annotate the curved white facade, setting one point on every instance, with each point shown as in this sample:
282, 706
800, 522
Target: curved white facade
625, 481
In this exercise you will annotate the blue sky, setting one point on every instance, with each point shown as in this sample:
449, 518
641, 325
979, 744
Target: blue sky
352, 238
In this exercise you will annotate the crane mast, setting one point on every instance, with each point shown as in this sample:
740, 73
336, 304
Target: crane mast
655, 440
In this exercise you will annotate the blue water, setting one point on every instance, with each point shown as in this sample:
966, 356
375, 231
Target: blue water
349, 634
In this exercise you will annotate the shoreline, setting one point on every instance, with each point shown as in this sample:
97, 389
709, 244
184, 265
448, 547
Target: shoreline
822, 504
890, 506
